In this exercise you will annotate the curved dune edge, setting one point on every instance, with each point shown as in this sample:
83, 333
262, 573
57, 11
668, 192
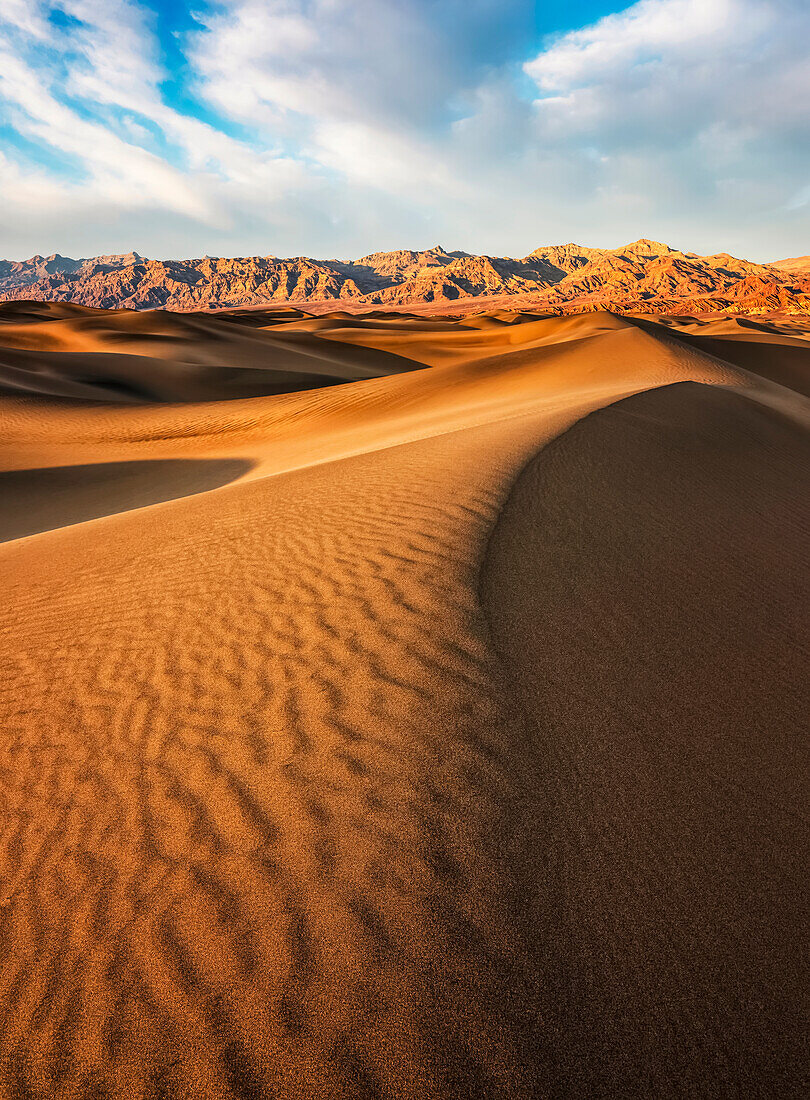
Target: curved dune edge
258, 764
646, 586
271, 821
40, 500
86, 356
108, 456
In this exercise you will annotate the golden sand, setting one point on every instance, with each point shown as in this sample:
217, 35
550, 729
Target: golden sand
431, 733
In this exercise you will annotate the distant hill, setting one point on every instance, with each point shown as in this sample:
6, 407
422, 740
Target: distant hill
798, 265
645, 276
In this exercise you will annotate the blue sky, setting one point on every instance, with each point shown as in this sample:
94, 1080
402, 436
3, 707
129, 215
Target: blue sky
337, 127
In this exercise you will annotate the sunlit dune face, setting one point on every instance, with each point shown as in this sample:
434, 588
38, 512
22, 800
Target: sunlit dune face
399, 706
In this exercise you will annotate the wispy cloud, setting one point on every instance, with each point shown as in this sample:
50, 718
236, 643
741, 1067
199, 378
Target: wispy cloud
335, 126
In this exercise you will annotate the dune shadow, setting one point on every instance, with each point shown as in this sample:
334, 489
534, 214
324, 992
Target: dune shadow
58, 496
645, 583
786, 364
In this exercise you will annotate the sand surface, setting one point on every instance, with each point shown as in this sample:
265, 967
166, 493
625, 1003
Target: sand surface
435, 732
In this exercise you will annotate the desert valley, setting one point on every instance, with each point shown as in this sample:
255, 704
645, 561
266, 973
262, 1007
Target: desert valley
403, 705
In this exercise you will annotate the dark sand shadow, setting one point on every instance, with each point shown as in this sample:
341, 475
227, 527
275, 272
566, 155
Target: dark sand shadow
32, 501
786, 364
646, 584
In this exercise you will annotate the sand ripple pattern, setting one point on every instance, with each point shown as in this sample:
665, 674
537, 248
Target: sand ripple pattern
276, 822
255, 846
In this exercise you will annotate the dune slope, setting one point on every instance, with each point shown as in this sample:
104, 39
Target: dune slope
647, 585
278, 819
65, 351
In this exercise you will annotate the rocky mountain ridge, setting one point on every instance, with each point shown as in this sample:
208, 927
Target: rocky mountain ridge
645, 276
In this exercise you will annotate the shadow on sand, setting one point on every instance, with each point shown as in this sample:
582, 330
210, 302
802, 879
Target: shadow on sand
42, 500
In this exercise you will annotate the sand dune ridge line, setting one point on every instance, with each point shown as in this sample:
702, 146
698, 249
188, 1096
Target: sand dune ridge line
278, 820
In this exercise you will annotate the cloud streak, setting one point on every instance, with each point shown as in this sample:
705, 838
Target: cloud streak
336, 126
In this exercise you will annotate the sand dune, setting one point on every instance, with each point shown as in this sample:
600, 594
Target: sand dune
662, 662
66, 351
58, 496
775, 351
430, 734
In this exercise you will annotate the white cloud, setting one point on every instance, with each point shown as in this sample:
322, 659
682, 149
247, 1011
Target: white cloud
108, 60
702, 105
649, 30
383, 123
27, 17
129, 171
680, 68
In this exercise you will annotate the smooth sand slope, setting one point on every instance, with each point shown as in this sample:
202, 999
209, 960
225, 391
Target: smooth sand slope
413, 737
62, 350
661, 661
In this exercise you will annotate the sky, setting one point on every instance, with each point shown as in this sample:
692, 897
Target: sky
332, 128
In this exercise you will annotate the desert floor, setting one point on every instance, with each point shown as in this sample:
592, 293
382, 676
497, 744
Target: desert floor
403, 707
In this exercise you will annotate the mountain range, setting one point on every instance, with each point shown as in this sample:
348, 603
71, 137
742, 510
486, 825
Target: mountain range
645, 276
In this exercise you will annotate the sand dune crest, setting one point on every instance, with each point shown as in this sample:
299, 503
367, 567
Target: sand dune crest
296, 804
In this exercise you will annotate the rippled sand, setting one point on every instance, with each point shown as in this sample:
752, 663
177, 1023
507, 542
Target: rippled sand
436, 734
